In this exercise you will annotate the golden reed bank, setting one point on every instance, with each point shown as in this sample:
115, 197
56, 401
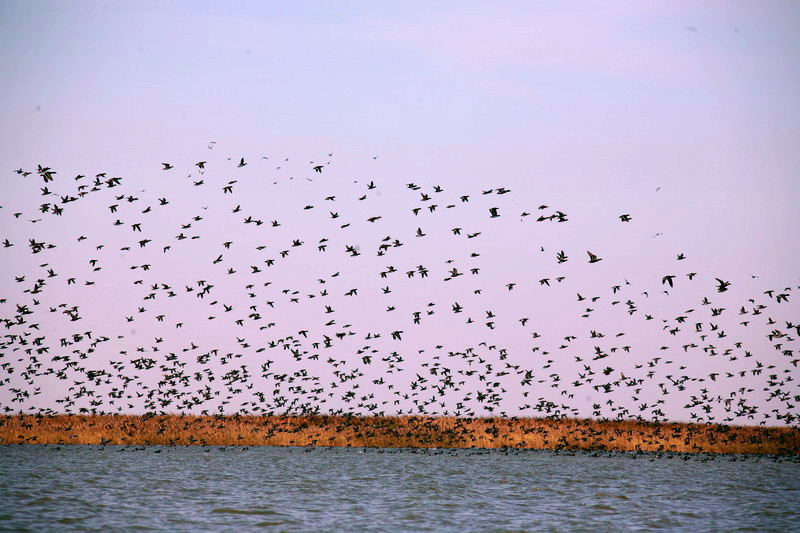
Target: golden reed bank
408, 431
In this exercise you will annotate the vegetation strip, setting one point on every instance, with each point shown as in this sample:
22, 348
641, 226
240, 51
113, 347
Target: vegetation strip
408, 431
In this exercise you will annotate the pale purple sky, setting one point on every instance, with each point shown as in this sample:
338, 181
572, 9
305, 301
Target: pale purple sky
588, 108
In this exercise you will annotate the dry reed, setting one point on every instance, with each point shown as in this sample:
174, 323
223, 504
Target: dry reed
411, 431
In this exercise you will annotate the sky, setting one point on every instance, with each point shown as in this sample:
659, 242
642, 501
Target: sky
683, 115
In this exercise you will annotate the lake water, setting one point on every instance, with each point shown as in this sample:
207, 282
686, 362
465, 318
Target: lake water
233, 489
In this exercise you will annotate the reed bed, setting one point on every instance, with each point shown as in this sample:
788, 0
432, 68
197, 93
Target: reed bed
406, 431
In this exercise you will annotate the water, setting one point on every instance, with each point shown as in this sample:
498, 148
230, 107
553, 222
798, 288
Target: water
232, 489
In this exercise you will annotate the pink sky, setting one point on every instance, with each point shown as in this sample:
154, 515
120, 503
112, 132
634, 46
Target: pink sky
586, 108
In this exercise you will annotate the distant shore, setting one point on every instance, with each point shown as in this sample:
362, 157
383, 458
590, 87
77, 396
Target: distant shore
406, 431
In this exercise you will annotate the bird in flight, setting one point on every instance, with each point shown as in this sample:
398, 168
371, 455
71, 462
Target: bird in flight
593, 258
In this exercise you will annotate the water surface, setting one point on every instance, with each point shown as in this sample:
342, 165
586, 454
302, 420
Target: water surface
294, 489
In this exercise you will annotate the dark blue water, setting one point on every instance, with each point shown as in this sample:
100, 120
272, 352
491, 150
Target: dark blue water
293, 489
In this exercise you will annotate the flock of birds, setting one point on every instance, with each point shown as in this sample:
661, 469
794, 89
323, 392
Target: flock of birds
212, 292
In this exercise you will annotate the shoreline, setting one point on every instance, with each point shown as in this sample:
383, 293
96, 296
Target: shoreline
398, 432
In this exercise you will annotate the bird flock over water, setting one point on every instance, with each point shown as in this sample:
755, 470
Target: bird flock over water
265, 285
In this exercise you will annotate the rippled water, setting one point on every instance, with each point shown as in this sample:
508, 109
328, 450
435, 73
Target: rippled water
227, 489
